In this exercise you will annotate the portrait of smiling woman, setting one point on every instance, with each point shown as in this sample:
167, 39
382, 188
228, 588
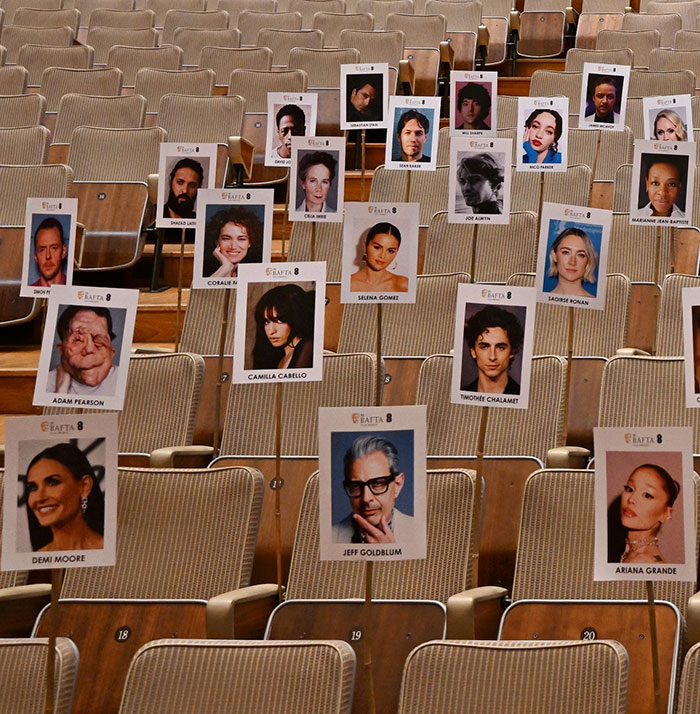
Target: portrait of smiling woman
233, 235
65, 506
381, 247
573, 260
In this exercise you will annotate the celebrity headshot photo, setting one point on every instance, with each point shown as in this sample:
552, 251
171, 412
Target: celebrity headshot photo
603, 99
493, 342
186, 177
662, 186
85, 357
373, 491
364, 94
49, 250
412, 136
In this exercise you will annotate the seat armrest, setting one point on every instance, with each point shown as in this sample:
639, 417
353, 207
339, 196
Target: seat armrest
240, 154
22, 592
514, 19
447, 55
571, 16
475, 614
241, 613
568, 457
182, 457
152, 183
483, 37
407, 77
631, 352
692, 620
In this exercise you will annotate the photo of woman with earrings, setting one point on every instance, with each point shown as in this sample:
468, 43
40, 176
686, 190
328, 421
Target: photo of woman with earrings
381, 247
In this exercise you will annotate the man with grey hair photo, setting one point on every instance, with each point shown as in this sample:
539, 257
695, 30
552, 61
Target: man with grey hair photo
372, 481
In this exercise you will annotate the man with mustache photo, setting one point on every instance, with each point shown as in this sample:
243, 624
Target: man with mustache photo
186, 178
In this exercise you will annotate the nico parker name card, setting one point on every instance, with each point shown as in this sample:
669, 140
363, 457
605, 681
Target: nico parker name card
473, 105
372, 483
234, 228
182, 170
543, 130
691, 345
59, 492
84, 359
493, 345
572, 256
49, 244
644, 504
380, 252
279, 323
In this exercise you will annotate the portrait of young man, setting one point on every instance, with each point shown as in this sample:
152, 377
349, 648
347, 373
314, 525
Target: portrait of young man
86, 353
364, 98
186, 177
412, 132
290, 121
373, 480
494, 337
50, 253
603, 99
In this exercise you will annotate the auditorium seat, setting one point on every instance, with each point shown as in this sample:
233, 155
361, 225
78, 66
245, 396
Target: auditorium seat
667, 24
497, 17
576, 57
172, 559
250, 22
380, 9
34, 17
112, 193
102, 39
281, 42
687, 40
162, 7
201, 328
11, 6
548, 83
154, 84
13, 37
56, 82
530, 189
654, 84
688, 695
328, 246
542, 28
487, 252
516, 677
194, 40
24, 145
463, 23
203, 20
308, 9
376, 46
37, 58
223, 60
332, 24
235, 7
310, 677
133, 19
88, 7
590, 24
669, 331
13, 80
22, 110
663, 59
23, 675
131, 59
687, 10
641, 42
517, 442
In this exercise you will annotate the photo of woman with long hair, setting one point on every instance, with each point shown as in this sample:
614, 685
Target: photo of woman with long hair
381, 246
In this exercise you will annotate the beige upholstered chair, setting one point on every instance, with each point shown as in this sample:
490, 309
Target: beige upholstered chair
13, 80
250, 22
254, 85
322, 66
87, 7
463, 22
281, 42
11, 6
165, 674
375, 46
131, 59
652, 84
669, 330
162, 7
687, 40
688, 11
109, 17
201, 327
308, 8
332, 24
209, 20
37, 58
667, 24
488, 251
547, 83
55, 82
22, 110
24, 145
235, 7
507, 111
380, 10
576, 57
528, 189
328, 246
102, 39
664, 59
517, 677
13, 37
194, 40
641, 42
23, 675
688, 694
154, 84
35, 17
223, 60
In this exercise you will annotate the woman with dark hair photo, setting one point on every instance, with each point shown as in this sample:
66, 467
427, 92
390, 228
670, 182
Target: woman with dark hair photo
233, 235
65, 506
284, 329
381, 246
636, 516
543, 129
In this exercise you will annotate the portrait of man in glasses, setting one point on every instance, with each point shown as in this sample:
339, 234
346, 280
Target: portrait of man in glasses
372, 481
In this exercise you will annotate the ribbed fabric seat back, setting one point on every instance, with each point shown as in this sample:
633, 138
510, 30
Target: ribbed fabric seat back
555, 548
572, 186
515, 677
613, 151
597, 333
667, 24
409, 330
193, 40
37, 58
235, 7
664, 59
253, 86
123, 112
446, 570
13, 80
202, 323
162, 7
497, 257
687, 10
56, 81
98, 154
311, 677
380, 10
131, 59
322, 66
24, 145
224, 60
12, 37
251, 22
418, 30
23, 675
459, 17
632, 250
11, 6
154, 84
282, 42
35, 17
17, 183
577, 56
180, 534
329, 246
9, 578
507, 112
375, 46
332, 24
653, 84
641, 42
210, 20
212, 119
308, 8
453, 428
669, 331
102, 39
621, 191
687, 40
22, 110
348, 380
135, 19
547, 83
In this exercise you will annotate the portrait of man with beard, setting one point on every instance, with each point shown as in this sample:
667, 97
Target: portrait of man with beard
186, 178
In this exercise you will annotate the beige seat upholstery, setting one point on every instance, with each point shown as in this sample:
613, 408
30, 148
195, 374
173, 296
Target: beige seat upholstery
102, 39
281, 42
428, 188
202, 326
253, 86
328, 246
375, 46
488, 252
463, 22
203, 20
380, 9
547, 83
13, 37
687, 40
131, 59
332, 24
669, 331
165, 673
517, 677
23, 675
641, 42
211, 119
11, 6
24, 145
308, 8
597, 333
662, 59
322, 66
687, 11
55, 82
576, 57
507, 111
527, 189
235, 7
87, 7
22, 110
251, 22
123, 112
34, 17
162, 7
133, 19
153, 84
408, 330
688, 695
193, 41
667, 25
224, 60
13, 80
36, 59
651, 84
